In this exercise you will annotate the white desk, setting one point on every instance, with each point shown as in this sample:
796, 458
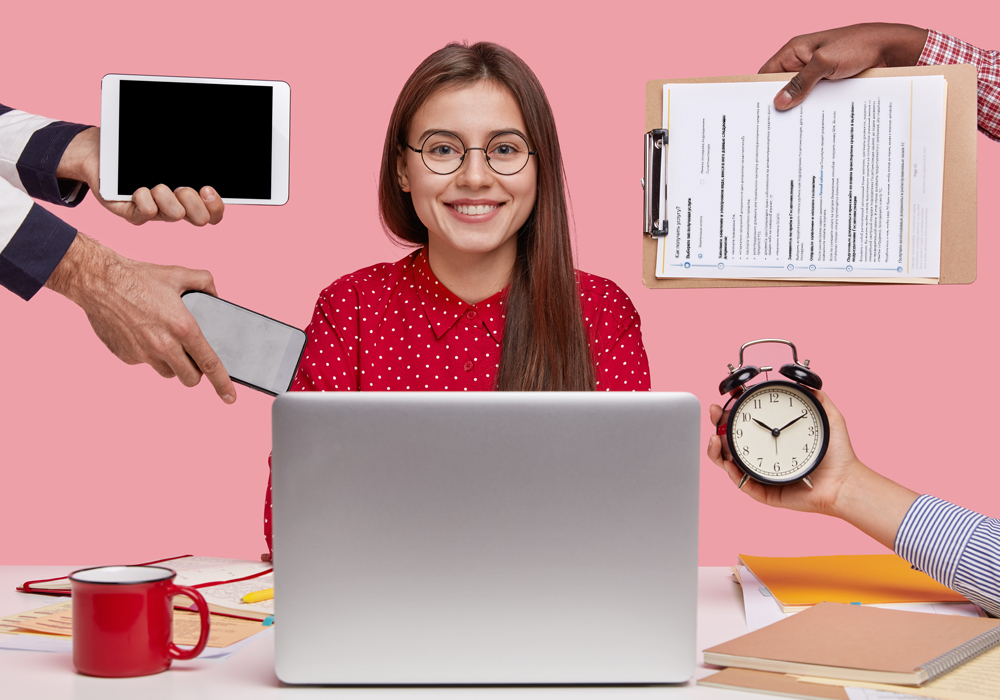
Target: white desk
249, 674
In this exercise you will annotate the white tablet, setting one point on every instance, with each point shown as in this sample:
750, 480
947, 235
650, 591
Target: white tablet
230, 134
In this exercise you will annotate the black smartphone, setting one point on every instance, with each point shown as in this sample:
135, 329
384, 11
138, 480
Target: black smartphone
256, 351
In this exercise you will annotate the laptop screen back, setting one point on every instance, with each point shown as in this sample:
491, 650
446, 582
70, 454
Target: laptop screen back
453, 538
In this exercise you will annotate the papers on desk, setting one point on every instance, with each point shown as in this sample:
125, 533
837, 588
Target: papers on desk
760, 606
18, 623
799, 582
59, 644
33, 642
869, 694
222, 582
774, 587
227, 598
972, 681
762, 609
50, 628
858, 646
976, 680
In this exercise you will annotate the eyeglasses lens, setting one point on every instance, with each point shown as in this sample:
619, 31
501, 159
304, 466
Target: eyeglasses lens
507, 153
443, 153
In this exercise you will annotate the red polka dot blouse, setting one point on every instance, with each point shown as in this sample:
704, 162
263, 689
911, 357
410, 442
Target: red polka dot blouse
395, 327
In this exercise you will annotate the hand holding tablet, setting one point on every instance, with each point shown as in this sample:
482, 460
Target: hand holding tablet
194, 132
81, 162
168, 149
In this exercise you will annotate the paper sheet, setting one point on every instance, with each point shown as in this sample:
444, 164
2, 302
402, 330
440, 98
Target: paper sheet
64, 645
36, 642
978, 679
870, 694
762, 609
58, 620
230, 595
14, 624
846, 186
226, 652
222, 632
192, 571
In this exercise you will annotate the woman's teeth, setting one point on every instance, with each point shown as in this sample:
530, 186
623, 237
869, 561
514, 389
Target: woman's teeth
476, 210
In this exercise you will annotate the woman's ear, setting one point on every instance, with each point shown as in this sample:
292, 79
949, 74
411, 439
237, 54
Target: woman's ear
401, 176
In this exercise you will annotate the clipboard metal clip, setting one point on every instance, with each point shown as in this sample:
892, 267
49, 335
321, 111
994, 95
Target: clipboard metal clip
654, 182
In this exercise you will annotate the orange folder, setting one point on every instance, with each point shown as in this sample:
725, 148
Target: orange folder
797, 582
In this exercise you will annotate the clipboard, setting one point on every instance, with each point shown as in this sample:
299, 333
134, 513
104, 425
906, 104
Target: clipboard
958, 220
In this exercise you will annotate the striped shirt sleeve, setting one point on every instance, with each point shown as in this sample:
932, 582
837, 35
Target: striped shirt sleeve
956, 547
942, 49
33, 240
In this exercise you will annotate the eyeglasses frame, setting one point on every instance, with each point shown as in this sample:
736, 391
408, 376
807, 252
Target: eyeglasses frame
466, 150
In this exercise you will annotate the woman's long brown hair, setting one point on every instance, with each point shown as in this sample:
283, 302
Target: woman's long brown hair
545, 346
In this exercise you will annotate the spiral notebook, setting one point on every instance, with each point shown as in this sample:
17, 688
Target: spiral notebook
859, 643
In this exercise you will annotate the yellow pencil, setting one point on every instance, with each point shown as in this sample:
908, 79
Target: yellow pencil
258, 596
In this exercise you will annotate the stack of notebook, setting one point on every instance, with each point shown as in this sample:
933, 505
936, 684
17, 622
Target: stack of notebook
818, 652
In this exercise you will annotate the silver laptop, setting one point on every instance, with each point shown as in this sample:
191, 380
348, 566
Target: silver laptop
485, 538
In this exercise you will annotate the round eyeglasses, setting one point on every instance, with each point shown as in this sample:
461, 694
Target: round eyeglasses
444, 152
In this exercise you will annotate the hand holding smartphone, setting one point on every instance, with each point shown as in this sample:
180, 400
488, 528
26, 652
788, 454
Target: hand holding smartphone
256, 351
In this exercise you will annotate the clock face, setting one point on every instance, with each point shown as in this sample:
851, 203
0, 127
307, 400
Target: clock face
777, 432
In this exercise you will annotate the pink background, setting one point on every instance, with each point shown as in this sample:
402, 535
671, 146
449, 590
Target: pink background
107, 463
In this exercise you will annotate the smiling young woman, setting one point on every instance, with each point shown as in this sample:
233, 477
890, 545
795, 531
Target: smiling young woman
473, 174
474, 203
545, 343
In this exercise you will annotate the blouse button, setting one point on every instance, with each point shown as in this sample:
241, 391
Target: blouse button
470, 314
469, 366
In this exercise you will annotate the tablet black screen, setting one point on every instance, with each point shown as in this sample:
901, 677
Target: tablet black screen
195, 134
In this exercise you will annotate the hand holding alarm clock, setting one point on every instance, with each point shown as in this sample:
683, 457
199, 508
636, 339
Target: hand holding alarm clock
777, 432
842, 486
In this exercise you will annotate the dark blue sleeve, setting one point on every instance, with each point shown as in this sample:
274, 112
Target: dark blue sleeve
34, 251
36, 166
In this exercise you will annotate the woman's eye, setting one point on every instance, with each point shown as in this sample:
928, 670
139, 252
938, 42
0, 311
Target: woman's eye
443, 150
505, 149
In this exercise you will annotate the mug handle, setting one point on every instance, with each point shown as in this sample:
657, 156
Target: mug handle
174, 651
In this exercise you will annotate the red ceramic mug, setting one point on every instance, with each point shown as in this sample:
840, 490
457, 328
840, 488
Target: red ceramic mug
123, 620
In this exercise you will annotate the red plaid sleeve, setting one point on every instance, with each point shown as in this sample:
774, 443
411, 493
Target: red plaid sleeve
942, 49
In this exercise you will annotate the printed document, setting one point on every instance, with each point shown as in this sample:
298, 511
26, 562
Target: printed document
847, 186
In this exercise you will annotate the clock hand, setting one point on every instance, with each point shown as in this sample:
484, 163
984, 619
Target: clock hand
764, 425
790, 422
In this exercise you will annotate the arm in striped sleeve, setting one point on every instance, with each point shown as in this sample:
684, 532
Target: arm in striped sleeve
956, 547
33, 240
31, 148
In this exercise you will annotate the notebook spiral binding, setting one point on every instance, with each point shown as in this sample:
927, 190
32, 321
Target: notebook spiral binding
959, 655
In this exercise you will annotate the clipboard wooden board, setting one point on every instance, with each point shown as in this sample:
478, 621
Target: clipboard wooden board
958, 216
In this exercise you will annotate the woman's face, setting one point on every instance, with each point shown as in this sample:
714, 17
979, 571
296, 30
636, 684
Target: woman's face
473, 210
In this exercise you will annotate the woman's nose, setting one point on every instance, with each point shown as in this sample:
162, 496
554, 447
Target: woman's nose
475, 170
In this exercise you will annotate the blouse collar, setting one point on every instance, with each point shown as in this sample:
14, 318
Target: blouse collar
444, 309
